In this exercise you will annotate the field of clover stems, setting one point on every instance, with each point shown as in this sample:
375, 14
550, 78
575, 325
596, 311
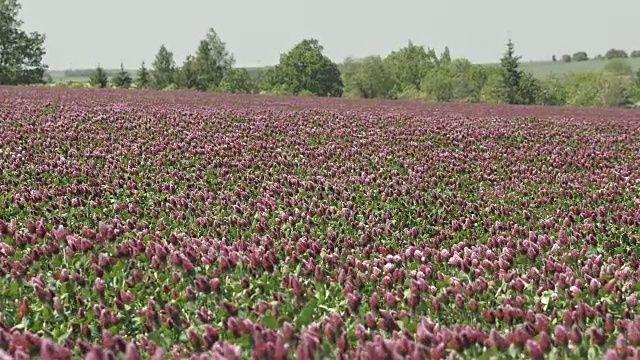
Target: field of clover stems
183, 225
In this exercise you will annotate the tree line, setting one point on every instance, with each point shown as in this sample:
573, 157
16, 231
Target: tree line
411, 72
302, 70
609, 55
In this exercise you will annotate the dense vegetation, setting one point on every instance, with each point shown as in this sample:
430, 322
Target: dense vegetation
412, 72
21, 53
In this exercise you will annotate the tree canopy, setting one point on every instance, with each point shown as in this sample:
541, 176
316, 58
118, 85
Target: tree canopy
164, 68
21, 53
211, 61
236, 81
144, 78
99, 78
517, 86
122, 79
367, 78
306, 69
409, 65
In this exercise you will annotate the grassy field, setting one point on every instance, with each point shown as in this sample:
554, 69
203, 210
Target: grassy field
546, 68
538, 68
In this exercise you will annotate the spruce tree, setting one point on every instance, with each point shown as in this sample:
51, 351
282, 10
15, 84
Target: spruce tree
99, 78
122, 80
511, 76
143, 81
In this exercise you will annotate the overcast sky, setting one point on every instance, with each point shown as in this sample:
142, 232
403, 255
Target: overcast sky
83, 33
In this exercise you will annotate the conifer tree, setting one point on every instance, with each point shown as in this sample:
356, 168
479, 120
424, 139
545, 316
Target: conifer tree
511, 75
143, 81
122, 80
99, 78
164, 68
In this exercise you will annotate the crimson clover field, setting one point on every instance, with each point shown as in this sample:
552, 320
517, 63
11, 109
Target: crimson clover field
139, 224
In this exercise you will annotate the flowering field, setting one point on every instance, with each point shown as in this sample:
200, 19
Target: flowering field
168, 225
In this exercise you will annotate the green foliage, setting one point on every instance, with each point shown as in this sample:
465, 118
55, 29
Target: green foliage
278, 89
21, 53
580, 56
634, 91
409, 65
99, 78
367, 78
582, 89
552, 91
438, 84
598, 90
305, 67
618, 67
144, 78
468, 80
237, 81
616, 91
445, 57
411, 72
511, 79
122, 80
306, 93
211, 61
511, 75
492, 90
635, 54
529, 89
615, 54
410, 93
187, 75
164, 69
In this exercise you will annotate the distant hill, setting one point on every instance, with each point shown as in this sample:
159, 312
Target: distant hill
546, 68
537, 68
83, 75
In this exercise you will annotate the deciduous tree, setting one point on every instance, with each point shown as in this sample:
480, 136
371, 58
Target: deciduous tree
615, 53
21, 53
367, 78
236, 81
580, 56
306, 69
409, 65
187, 75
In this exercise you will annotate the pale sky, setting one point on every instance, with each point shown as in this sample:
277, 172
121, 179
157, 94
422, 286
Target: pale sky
83, 33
